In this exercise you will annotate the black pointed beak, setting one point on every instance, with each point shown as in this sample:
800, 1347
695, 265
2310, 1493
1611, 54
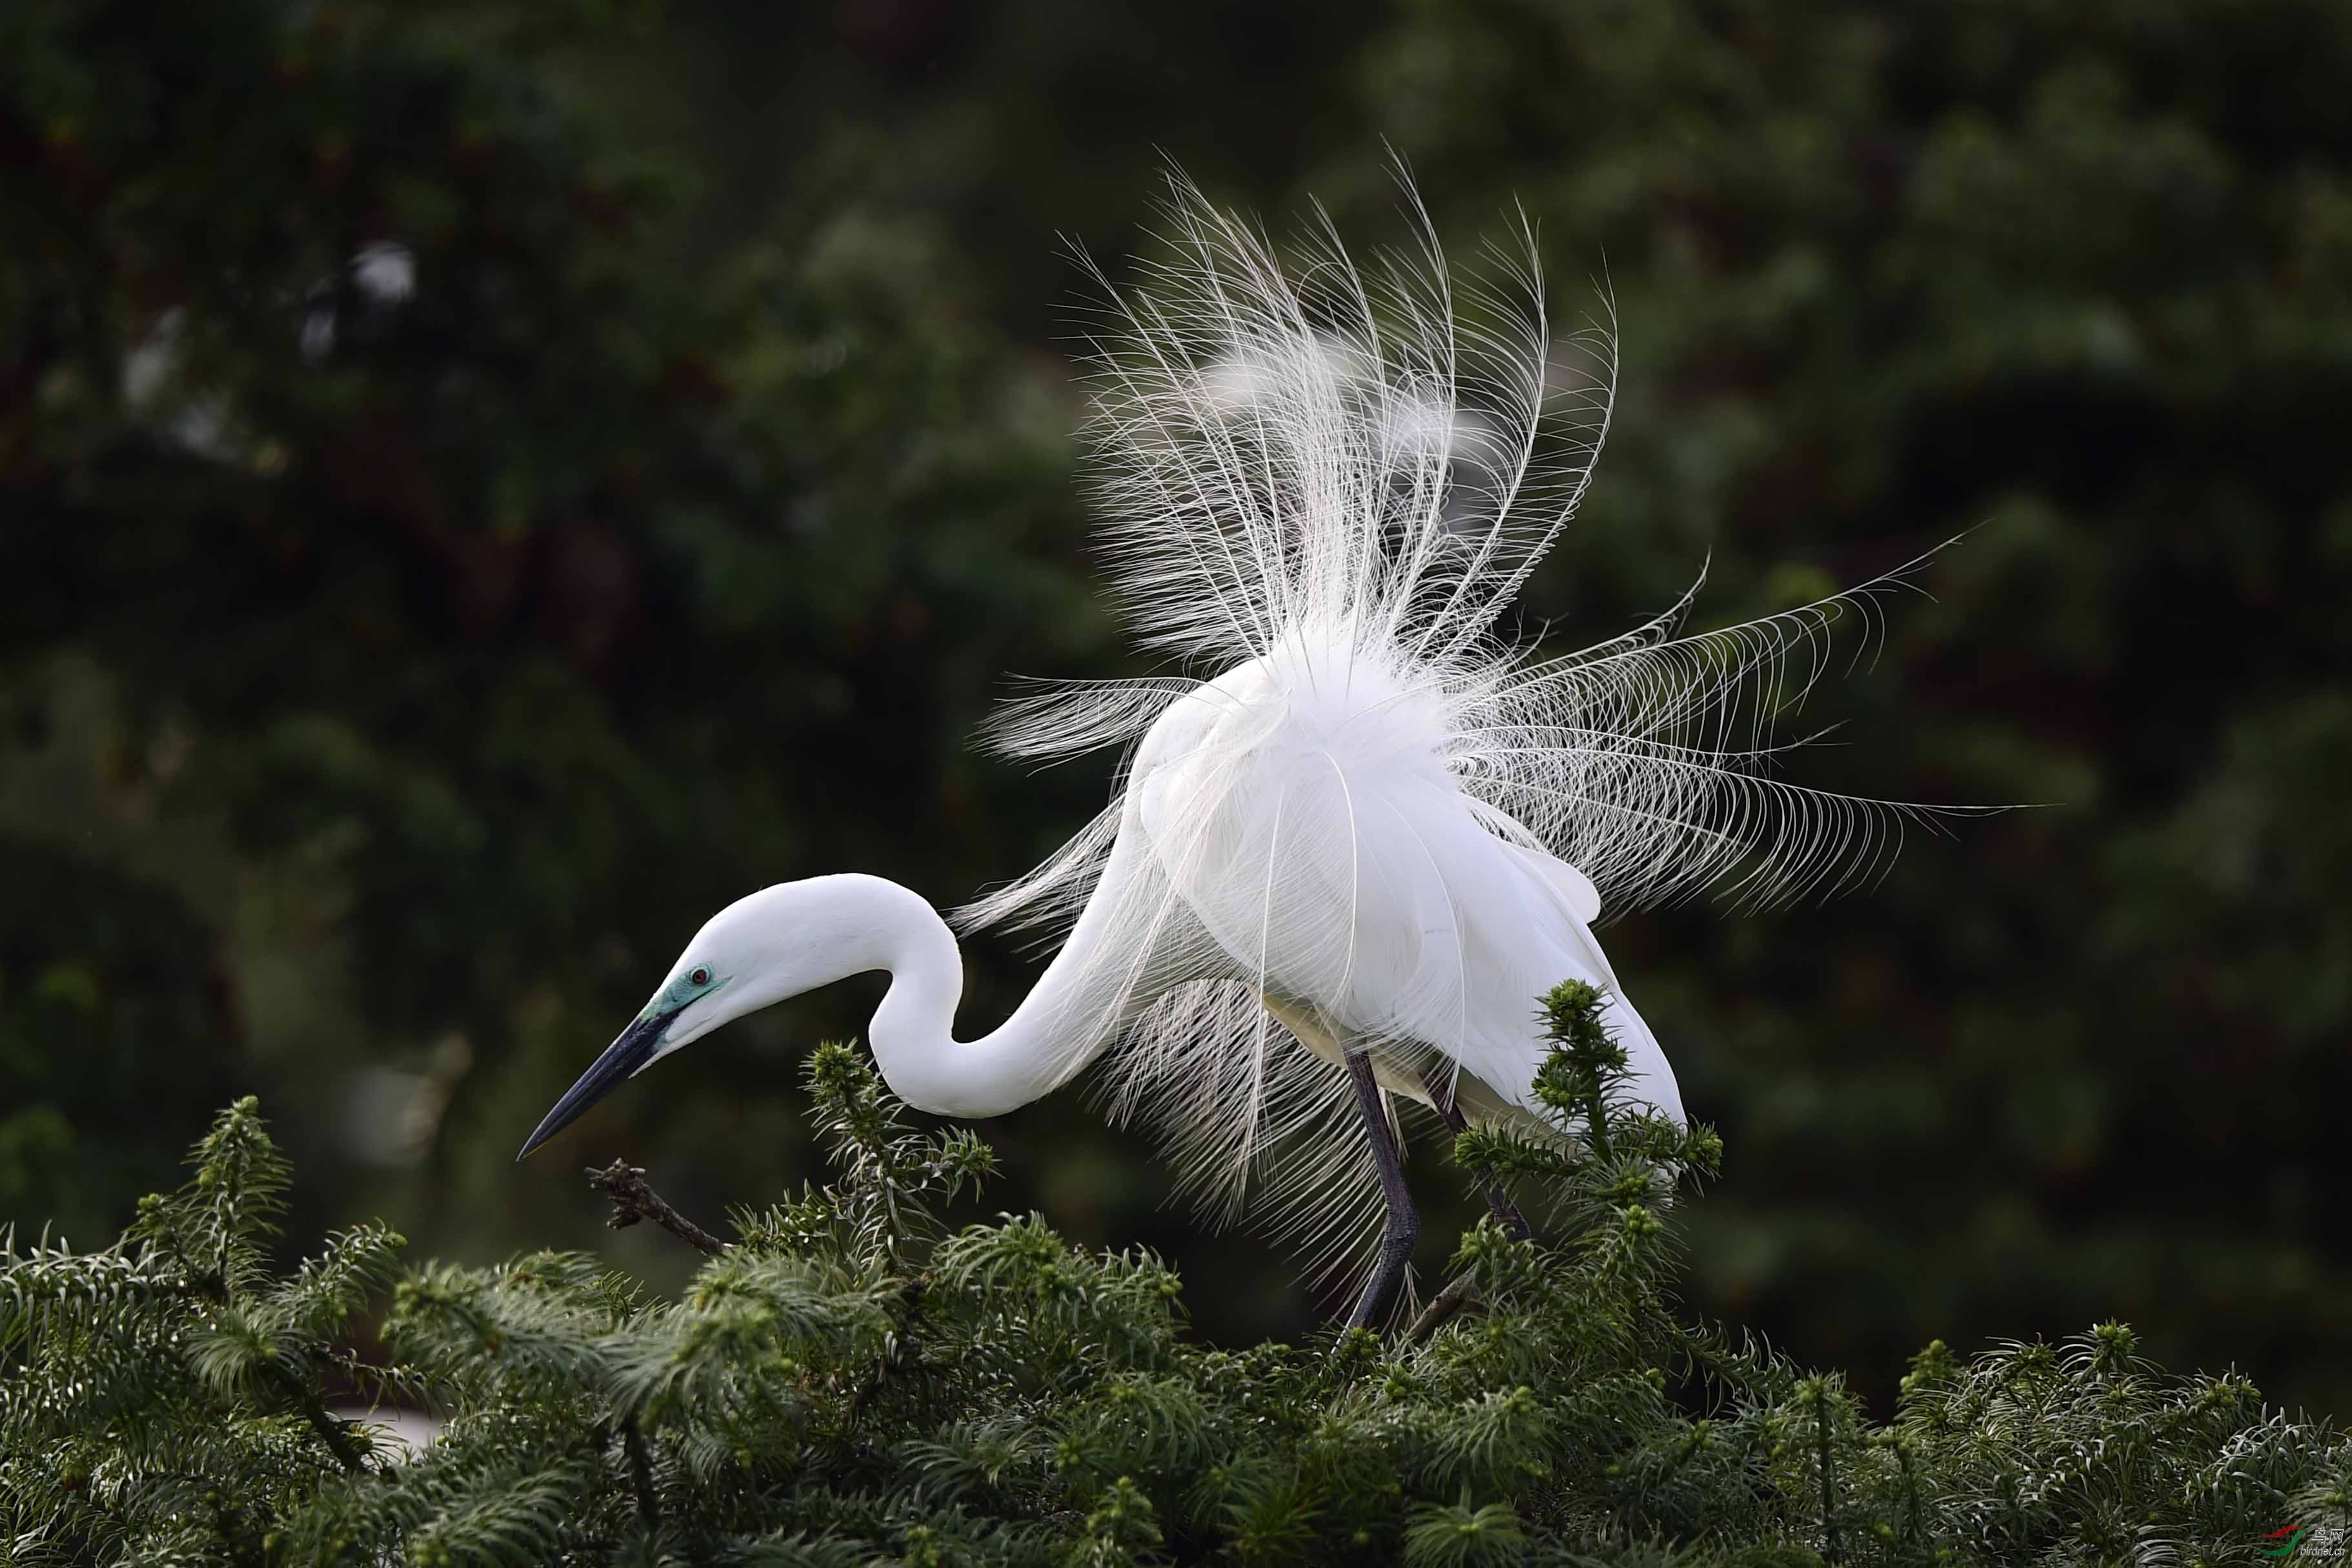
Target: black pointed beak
623, 1056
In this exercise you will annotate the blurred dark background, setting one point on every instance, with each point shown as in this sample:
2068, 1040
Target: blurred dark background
482, 486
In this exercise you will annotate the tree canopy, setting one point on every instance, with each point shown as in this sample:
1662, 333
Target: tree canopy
852, 1381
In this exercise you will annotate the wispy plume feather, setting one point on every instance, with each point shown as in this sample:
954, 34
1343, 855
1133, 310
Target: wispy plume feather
1322, 486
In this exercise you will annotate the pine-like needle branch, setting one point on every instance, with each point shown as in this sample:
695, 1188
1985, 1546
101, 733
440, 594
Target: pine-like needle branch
853, 1381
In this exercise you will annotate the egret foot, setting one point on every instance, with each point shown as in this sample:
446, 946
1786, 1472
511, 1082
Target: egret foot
1403, 1224
1507, 1213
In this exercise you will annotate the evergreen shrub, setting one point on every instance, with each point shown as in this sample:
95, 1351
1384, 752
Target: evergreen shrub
851, 1381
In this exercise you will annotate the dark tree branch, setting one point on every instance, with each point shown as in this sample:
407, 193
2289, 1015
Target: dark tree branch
634, 1199
335, 1433
1458, 1294
641, 1474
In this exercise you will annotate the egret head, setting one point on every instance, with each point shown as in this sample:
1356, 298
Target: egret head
688, 1004
760, 949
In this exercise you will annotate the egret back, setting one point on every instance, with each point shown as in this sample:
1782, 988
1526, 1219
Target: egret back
1301, 810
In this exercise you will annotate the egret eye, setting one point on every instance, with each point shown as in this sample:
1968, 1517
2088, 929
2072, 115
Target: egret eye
700, 975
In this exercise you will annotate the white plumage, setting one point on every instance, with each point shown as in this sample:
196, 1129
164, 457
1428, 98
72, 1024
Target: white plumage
1365, 820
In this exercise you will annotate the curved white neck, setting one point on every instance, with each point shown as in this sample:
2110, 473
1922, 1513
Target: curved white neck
881, 926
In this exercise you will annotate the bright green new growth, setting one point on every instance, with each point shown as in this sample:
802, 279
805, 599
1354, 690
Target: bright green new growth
852, 1383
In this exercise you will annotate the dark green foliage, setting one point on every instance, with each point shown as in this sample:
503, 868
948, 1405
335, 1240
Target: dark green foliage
852, 1381
165, 1397
1610, 1158
409, 640
375, 751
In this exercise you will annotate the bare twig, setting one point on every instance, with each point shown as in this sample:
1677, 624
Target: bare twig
1442, 1307
634, 1199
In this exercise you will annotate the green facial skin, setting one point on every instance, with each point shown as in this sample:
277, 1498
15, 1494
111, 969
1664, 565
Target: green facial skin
684, 989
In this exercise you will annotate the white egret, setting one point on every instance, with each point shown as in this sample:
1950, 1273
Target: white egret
1339, 869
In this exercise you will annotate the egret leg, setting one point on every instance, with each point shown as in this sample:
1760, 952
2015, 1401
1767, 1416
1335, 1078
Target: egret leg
1403, 1224
1507, 1213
